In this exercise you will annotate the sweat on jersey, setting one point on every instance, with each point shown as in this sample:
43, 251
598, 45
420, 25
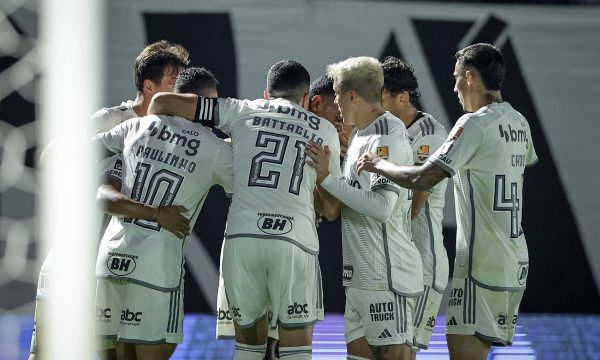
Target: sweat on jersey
380, 255
426, 136
486, 153
166, 161
273, 190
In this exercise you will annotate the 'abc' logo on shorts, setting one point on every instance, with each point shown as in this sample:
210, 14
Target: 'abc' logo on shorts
274, 225
103, 313
127, 315
223, 315
120, 266
297, 309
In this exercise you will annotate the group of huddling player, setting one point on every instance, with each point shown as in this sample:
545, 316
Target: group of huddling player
354, 144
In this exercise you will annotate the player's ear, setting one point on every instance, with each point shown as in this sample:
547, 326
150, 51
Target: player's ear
353, 96
304, 102
470, 76
315, 103
149, 85
266, 95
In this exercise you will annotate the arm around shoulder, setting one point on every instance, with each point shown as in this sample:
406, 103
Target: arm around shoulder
182, 105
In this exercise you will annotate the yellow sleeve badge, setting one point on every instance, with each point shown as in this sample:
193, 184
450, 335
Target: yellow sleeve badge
383, 151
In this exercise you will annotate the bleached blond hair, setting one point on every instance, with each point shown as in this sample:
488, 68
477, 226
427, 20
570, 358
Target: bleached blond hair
362, 74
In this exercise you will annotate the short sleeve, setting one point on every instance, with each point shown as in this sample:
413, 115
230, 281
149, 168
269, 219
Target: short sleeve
397, 151
223, 169
226, 111
114, 139
425, 146
460, 146
114, 167
531, 154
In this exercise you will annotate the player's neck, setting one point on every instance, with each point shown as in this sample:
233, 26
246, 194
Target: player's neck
367, 114
407, 115
487, 97
141, 104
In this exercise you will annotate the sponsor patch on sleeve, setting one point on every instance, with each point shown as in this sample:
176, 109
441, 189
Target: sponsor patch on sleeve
456, 133
383, 151
423, 152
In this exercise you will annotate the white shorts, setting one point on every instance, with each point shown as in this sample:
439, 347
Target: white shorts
382, 317
129, 312
259, 272
427, 307
487, 314
224, 328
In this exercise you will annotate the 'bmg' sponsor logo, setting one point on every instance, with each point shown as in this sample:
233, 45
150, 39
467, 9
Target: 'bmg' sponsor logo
120, 265
274, 224
382, 311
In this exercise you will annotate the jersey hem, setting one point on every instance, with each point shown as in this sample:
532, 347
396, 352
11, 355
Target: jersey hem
274, 237
444, 167
141, 283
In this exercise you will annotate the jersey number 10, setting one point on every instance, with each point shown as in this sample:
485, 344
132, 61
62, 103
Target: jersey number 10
164, 181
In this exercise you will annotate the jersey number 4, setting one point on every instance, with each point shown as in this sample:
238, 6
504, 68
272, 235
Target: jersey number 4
511, 204
162, 182
275, 146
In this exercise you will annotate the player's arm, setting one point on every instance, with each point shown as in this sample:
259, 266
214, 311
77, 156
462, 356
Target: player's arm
326, 204
166, 103
378, 204
418, 202
423, 147
422, 177
113, 202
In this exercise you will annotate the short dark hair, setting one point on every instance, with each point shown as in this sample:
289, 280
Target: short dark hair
152, 62
322, 86
287, 79
195, 80
399, 76
487, 60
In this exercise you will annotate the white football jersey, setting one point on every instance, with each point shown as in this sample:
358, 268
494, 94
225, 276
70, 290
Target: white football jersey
273, 191
166, 160
487, 152
109, 117
380, 256
426, 136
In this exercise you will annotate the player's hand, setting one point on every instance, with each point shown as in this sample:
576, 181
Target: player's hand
171, 218
369, 162
319, 159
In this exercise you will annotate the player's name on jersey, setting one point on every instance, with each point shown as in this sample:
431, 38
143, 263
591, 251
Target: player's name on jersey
313, 121
176, 161
288, 127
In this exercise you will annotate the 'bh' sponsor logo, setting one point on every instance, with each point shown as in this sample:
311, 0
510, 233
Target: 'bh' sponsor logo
274, 226
120, 266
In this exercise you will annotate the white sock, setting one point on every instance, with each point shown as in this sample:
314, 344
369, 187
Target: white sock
295, 353
249, 352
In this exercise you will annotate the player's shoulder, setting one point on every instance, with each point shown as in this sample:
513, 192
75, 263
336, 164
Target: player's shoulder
426, 125
389, 125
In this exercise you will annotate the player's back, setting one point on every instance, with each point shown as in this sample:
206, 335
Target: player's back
491, 245
273, 192
167, 160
